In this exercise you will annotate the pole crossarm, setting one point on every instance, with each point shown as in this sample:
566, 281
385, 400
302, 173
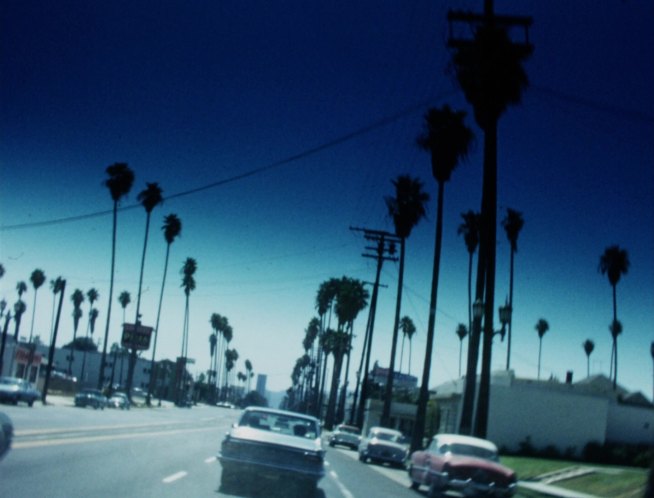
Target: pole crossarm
475, 21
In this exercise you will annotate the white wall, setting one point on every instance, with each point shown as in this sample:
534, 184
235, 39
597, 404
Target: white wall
630, 424
547, 416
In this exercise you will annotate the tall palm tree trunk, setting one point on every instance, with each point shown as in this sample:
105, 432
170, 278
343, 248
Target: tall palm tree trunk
137, 319
371, 327
153, 368
508, 337
103, 357
489, 216
388, 398
364, 348
614, 365
423, 398
540, 347
331, 405
474, 339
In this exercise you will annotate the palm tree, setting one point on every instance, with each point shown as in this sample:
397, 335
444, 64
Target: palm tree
408, 330
470, 231
541, 327
93, 316
188, 284
149, 198
119, 183
77, 297
407, 208
490, 73
55, 286
614, 262
37, 278
512, 224
325, 298
351, 299
589, 347
461, 332
447, 138
19, 309
124, 299
172, 229
213, 340
339, 343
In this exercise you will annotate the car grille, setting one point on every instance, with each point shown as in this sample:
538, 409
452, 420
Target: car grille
284, 458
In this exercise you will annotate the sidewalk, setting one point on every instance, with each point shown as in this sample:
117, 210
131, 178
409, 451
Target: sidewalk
555, 491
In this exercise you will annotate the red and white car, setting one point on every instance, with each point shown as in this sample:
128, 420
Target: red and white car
465, 464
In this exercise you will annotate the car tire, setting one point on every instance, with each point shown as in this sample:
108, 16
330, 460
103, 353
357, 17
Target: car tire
435, 492
30, 403
308, 488
332, 444
228, 479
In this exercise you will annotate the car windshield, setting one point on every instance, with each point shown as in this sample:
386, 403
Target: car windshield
281, 424
469, 450
387, 436
349, 430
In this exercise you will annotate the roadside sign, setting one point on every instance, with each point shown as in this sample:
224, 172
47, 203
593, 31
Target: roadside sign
136, 337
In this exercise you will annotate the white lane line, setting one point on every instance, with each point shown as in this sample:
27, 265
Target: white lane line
210, 459
341, 487
175, 477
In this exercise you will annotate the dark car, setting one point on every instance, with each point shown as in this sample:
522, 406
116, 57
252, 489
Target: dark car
383, 445
465, 464
13, 390
276, 445
91, 397
6, 434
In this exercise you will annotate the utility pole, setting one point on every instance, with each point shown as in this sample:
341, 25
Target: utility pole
53, 344
384, 243
493, 80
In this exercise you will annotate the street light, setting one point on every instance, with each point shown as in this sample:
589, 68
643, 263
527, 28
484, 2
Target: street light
505, 315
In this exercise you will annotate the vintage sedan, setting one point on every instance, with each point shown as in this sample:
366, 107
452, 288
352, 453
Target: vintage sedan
268, 444
383, 445
91, 397
119, 400
13, 390
345, 435
465, 464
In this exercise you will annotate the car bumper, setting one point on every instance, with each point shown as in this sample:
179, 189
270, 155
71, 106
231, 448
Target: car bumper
468, 487
273, 470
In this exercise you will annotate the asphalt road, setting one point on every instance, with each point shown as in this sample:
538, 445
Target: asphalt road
67, 452
62, 451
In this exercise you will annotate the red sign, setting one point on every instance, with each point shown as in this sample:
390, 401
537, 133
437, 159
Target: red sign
136, 337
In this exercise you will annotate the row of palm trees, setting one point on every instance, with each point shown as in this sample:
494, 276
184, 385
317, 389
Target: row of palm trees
222, 359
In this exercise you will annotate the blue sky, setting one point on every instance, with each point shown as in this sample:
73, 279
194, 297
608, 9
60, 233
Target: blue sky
194, 93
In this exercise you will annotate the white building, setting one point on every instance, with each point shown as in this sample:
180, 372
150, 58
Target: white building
566, 416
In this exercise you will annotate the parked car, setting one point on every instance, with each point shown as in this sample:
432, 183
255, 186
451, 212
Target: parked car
13, 390
384, 445
465, 464
346, 435
273, 444
91, 397
6, 434
118, 400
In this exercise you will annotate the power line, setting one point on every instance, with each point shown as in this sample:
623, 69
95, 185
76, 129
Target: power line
380, 123
598, 106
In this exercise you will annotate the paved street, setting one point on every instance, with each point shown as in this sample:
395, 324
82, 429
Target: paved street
63, 451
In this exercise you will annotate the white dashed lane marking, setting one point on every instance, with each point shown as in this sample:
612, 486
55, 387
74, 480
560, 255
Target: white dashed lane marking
174, 477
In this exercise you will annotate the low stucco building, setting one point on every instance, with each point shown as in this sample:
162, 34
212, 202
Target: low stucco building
563, 415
